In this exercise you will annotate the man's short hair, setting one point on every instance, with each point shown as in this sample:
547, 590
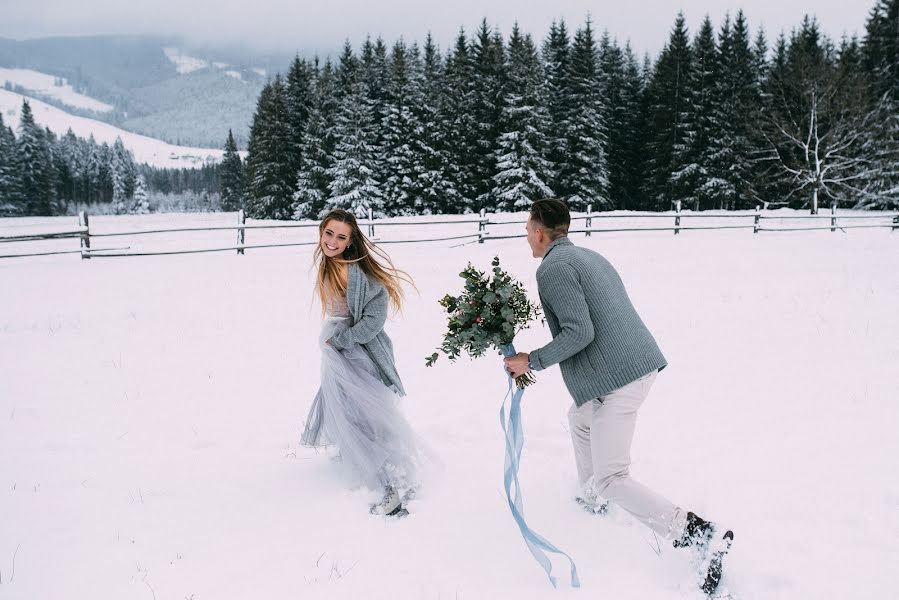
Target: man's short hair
552, 214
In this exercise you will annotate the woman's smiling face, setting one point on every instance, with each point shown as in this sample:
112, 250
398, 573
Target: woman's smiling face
335, 238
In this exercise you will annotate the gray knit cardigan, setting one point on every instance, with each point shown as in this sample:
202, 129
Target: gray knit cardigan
368, 302
599, 340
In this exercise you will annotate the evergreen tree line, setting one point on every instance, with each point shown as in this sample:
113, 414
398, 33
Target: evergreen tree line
718, 120
42, 174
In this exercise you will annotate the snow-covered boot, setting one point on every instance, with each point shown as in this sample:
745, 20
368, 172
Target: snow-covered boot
590, 501
697, 532
709, 549
390, 505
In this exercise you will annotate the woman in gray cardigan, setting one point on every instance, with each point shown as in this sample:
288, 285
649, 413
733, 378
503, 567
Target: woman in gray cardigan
356, 406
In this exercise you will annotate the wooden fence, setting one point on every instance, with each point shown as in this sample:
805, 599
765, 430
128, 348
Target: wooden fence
676, 222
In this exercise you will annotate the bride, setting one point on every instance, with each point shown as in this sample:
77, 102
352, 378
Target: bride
356, 407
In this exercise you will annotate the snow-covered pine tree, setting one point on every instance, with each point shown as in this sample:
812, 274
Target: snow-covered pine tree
374, 74
458, 123
666, 95
140, 203
523, 172
11, 201
231, 174
880, 48
270, 179
104, 172
123, 177
618, 106
299, 102
633, 134
353, 173
736, 102
556, 65
401, 134
37, 185
488, 97
94, 170
757, 177
438, 193
67, 167
318, 146
585, 175
691, 179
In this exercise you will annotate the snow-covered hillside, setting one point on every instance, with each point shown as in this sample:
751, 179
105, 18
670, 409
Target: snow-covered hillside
53, 87
150, 411
146, 150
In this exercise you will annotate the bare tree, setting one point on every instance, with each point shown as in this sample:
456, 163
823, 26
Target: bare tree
827, 137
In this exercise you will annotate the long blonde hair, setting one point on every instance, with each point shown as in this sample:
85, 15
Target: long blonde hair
361, 251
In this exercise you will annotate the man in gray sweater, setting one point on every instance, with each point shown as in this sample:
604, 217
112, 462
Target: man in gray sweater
609, 361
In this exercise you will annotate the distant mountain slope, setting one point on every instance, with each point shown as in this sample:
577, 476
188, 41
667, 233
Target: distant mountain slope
157, 86
196, 108
145, 149
50, 87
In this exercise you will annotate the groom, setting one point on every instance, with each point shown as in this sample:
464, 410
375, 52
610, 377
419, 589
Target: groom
609, 361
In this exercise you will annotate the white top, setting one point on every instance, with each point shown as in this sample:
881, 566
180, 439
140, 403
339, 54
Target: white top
337, 307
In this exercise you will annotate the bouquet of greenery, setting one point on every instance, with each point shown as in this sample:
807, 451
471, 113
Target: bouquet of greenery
488, 313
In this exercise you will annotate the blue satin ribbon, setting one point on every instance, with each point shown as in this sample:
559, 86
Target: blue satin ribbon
537, 544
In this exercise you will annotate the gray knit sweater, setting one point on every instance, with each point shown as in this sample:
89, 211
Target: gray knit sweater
598, 338
368, 303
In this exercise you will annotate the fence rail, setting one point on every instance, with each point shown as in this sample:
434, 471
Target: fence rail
755, 222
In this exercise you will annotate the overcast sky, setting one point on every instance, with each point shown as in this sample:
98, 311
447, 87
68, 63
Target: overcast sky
301, 25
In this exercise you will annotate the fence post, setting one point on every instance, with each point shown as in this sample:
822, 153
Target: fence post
677, 206
833, 216
758, 217
241, 220
371, 223
482, 226
84, 221
589, 220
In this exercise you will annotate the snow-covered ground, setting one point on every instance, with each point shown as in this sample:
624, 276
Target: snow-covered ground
45, 84
145, 149
150, 410
184, 63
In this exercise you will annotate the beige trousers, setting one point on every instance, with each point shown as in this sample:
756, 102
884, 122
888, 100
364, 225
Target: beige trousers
602, 431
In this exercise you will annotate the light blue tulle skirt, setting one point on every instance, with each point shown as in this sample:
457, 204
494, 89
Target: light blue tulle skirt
356, 412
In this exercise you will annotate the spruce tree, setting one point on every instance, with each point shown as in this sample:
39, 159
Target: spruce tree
231, 173
584, 177
523, 172
318, 147
459, 124
10, 197
270, 178
438, 193
692, 152
557, 66
618, 106
632, 135
488, 95
298, 102
123, 177
880, 47
353, 174
401, 135
36, 183
736, 102
667, 95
